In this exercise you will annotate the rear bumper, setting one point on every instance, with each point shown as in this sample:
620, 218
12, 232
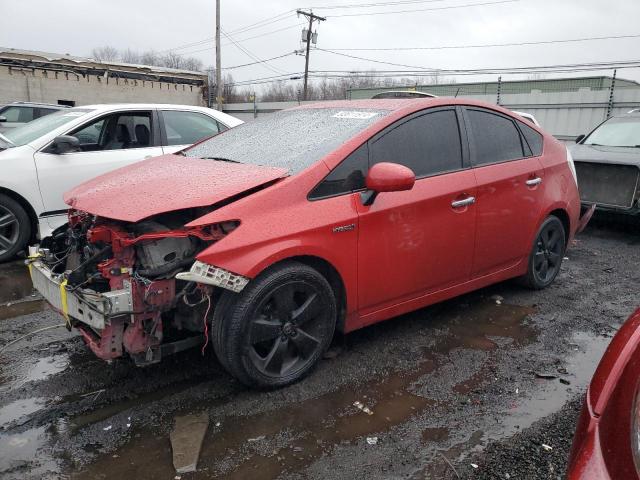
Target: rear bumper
80, 305
586, 212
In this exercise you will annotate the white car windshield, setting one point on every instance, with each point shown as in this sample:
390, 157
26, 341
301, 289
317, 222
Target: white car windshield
33, 130
616, 132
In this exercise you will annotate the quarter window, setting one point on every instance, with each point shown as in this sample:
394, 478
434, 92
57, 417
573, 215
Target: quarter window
496, 138
428, 144
533, 138
185, 128
347, 177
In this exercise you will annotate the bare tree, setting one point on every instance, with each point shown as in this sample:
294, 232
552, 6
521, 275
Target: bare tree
130, 56
105, 54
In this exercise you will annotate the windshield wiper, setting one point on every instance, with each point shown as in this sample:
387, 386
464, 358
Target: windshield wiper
220, 159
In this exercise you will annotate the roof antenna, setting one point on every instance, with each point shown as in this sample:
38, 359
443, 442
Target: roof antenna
457, 92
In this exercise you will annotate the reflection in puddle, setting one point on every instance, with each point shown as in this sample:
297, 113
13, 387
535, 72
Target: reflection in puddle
26, 455
290, 438
18, 409
45, 367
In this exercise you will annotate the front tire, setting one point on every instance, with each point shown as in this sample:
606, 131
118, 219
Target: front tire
15, 228
546, 255
275, 331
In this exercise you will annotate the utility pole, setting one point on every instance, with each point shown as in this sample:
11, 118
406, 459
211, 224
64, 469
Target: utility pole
311, 18
218, 60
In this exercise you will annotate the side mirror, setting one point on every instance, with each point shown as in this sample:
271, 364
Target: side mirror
3, 119
65, 144
387, 177
579, 138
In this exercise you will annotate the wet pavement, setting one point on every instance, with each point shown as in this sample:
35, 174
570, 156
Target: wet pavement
415, 397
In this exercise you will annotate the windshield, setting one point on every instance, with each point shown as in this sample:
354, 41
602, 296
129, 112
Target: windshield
616, 132
290, 139
33, 130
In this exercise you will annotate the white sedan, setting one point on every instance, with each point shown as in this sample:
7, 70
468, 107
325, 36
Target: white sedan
44, 158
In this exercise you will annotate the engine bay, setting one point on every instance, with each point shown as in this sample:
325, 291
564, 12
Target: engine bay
94, 256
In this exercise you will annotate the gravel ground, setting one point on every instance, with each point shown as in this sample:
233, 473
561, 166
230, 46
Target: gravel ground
448, 386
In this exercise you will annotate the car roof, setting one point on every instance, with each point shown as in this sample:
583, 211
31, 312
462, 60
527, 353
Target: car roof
37, 104
404, 105
118, 106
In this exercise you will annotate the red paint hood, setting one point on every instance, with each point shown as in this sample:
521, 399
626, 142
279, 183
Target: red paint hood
164, 184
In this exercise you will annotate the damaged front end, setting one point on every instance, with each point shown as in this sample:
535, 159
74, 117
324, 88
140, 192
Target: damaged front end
133, 288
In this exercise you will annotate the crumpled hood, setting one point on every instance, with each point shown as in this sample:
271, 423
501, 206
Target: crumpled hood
594, 153
164, 184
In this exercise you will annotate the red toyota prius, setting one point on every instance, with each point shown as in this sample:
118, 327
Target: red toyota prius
263, 240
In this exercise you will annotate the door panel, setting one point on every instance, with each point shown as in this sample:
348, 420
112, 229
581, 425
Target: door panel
412, 243
508, 210
509, 190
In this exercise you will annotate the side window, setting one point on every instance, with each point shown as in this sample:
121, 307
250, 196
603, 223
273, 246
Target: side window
18, 114
115, 132
185, 128
496, 138
89, 135
347, 177
533, 138
428, 144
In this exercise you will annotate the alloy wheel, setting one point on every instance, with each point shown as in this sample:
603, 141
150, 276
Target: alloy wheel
9, 229
548, 255
286, 329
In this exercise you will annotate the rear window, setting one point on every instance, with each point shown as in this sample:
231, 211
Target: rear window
291, 139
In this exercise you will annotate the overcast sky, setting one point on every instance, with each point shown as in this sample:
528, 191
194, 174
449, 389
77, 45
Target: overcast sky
75, 26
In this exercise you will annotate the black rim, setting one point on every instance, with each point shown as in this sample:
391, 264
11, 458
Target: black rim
9, 230
287, 329
548, 255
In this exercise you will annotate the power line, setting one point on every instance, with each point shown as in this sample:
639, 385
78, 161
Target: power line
559, 68
371, 5
373, 61
260, 24
244, 39
488, 45
422, 9
261, 61
251, 55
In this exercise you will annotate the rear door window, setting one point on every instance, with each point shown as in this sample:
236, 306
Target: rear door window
185, 128
495, 138
429, 144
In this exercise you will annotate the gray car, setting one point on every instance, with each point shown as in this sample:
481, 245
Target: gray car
17, 114
607, 163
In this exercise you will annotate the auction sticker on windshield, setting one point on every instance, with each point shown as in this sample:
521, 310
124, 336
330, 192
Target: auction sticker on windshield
356, 115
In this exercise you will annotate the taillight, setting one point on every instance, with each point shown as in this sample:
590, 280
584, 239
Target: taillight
572, 166
635, 429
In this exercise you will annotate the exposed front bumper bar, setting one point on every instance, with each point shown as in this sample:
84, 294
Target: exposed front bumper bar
89, 307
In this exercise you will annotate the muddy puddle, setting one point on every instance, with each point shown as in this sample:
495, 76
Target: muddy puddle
289, 439
548, 397
17, 296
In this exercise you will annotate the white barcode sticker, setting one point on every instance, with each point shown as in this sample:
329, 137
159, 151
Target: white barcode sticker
355, 115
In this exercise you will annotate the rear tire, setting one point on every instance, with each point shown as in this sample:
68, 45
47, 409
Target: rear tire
275, 331
15, 228
546, 255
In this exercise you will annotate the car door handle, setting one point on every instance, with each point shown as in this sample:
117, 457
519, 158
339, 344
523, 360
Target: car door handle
533, 182
464, 202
